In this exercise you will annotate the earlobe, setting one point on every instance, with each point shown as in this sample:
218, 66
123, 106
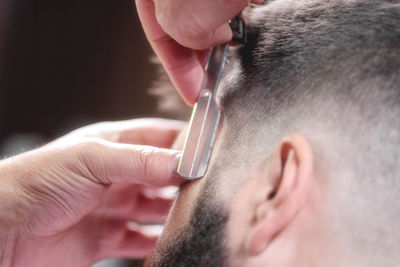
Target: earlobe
285, 187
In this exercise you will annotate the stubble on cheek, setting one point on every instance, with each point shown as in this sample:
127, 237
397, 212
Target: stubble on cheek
178, 218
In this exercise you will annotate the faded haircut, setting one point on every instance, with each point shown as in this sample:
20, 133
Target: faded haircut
329, 70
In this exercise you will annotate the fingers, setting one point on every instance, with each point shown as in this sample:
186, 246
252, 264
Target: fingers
181, 64
151, 209
150, 132
137, 241
126, 240
175, 27
194, 23
120, 237
107, 162
132, 202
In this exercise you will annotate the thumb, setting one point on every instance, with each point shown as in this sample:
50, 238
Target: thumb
107, 162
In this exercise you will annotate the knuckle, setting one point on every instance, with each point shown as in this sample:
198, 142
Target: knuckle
147, 161
188, 30
89, 153
87, 146
196, 28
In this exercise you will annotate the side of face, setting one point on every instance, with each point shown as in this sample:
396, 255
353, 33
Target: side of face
194, 234
236, 214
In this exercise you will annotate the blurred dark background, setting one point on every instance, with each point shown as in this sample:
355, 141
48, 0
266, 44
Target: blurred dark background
64, 64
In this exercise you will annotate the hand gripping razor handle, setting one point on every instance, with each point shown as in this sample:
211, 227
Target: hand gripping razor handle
206, 113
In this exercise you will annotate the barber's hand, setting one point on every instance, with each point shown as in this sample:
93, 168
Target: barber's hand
69, 203
181, 31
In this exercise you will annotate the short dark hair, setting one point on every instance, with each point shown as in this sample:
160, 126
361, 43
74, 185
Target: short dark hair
330, 63
305, 50
331, 71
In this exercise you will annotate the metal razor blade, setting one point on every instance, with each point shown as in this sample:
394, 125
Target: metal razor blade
204, 120
206, 113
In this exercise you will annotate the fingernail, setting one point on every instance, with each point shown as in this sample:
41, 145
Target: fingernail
173, 165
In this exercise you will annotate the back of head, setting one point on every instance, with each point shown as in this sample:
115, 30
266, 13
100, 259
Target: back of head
329, 70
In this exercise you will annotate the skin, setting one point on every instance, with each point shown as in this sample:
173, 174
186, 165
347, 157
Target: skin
271, 210
181, 32
73, 198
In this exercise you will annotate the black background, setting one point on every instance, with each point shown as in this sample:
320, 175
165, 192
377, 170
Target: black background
64, 64
68, 63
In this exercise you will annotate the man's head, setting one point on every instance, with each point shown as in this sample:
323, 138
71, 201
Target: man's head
304, 169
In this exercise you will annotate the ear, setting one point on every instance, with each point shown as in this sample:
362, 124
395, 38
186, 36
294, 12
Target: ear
283, 185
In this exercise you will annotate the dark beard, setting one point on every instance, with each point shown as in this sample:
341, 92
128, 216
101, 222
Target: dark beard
202, 242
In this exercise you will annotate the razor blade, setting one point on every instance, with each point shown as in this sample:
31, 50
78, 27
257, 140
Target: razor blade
204, 120
206, 112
